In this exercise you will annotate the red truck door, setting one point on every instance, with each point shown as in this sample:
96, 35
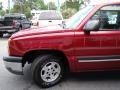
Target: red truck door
100, 49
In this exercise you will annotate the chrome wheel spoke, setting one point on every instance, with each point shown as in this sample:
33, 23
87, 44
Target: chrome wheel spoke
50, 71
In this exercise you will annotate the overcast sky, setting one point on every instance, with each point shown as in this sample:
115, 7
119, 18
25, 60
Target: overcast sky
5, 2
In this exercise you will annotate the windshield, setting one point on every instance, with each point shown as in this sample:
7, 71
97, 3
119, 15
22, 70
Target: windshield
76, 19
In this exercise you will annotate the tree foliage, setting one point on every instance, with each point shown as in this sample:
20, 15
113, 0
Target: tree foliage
23, 7
71, 4
38, 4
70, 7
68, 12
51, 6
2, 12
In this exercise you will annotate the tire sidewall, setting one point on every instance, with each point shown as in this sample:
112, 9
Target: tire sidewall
38, 68
1, 35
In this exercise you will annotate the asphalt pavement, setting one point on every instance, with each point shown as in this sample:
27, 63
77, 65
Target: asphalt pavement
76, 81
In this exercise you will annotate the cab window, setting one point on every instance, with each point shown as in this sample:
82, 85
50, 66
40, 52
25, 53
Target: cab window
109, 17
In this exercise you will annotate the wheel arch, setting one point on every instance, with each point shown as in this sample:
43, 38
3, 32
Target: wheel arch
31, 55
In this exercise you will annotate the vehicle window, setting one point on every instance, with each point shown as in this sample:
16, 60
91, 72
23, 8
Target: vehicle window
76, 19
23, 18
109, 17
11, 18
50, 16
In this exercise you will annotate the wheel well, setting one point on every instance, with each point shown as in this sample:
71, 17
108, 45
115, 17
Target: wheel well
30, 56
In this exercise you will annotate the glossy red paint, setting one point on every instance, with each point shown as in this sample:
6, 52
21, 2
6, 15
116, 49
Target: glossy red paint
72, 42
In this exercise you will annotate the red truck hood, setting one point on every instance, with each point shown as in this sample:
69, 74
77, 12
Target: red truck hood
38, 30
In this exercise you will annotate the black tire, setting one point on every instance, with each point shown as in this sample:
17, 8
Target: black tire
39, 64
30, 25
20, 28
1, 35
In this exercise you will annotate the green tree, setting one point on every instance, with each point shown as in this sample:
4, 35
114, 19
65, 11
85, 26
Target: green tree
75, 4
27, 10
1, 5
51, 6
22, 8
2, 12
16, 8
70, 7
38, 4
68, 12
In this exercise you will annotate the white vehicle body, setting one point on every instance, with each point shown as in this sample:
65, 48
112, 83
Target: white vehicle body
46, 18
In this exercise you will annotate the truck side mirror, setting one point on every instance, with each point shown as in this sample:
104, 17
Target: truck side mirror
92, 25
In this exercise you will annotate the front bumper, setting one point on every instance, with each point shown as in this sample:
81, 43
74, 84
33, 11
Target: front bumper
13, 64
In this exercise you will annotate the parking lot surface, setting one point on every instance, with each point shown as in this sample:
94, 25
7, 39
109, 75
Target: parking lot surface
78, 81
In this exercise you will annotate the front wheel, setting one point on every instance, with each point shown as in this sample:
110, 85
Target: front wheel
1, 35
20, 28
47, 70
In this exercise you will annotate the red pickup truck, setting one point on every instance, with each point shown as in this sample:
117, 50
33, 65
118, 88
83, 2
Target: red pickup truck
89, 41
